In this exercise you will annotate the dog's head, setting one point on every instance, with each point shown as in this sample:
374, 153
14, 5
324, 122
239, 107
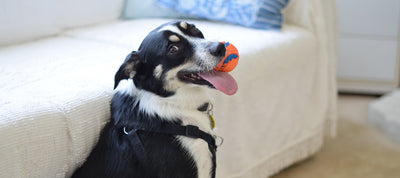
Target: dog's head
174, 56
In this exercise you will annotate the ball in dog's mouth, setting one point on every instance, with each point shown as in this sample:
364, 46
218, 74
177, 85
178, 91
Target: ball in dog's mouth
221, 81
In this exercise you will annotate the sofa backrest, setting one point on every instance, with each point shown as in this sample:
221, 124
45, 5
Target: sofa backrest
22, 20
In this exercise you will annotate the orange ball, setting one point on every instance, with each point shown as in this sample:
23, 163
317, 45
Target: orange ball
231, 58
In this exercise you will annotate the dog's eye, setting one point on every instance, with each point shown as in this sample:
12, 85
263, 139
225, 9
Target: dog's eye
173, 49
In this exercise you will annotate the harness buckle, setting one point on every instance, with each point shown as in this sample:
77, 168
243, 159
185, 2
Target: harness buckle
192, 131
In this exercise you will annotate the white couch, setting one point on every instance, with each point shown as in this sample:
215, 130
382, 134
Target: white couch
58, 59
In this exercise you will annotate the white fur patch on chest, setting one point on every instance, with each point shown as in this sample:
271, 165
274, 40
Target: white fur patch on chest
198, 150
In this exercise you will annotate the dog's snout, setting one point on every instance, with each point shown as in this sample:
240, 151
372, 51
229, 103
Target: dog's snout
217, 49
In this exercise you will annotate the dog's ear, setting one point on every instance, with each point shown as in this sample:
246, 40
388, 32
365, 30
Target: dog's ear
127, 69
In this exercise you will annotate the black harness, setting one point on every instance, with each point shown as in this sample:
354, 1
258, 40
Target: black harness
190, 131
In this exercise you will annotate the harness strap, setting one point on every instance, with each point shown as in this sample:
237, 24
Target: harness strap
188, 131
136, 142
170, 129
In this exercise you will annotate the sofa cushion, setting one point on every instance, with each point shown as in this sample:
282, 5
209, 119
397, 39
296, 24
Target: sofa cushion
30, 20
127, 35
74, 13
26, 20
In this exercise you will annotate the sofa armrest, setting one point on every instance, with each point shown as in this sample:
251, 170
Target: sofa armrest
320, 17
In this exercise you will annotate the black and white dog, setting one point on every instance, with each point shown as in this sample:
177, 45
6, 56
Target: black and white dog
160, 125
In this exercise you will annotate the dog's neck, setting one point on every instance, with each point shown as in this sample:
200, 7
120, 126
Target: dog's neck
182, 107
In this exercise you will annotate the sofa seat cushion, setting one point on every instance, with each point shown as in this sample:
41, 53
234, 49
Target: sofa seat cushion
130, 33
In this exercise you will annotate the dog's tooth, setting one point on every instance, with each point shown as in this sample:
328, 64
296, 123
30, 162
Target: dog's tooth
196, 76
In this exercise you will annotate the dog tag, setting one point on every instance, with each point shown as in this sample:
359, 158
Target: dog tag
212, 121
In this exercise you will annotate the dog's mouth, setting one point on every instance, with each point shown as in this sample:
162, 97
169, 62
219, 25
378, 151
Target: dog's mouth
221, 81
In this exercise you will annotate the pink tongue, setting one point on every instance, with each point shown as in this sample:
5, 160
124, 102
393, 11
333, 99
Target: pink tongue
222, 81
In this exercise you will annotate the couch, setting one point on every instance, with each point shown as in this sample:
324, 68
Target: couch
58, 60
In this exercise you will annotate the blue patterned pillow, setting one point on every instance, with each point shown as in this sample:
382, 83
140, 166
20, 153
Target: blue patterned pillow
147, 9
260, 14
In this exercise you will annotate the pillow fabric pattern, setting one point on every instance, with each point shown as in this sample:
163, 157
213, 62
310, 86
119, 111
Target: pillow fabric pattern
259, 14
134, 9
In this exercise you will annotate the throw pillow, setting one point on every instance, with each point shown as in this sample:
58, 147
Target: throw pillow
260, 14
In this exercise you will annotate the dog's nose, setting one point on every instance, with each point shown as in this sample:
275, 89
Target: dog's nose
217, 49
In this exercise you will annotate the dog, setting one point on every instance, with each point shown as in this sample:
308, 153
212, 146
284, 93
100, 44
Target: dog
160, 123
